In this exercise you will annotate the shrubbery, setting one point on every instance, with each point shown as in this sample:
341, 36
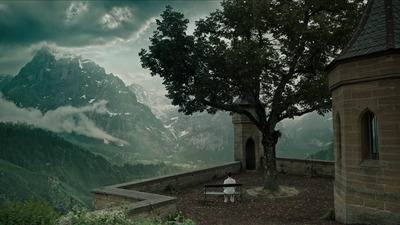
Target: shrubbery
172, 189
32, 211
108, 217
38, 211
83, 216
58, 170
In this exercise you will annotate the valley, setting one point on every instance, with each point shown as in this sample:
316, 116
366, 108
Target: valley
67, 126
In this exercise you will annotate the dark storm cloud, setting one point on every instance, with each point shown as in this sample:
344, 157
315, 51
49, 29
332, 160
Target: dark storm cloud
103, 30
72, 24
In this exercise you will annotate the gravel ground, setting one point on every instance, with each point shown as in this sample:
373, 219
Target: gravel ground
314, 200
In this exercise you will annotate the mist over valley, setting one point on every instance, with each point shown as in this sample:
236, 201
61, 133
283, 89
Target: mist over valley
60, 103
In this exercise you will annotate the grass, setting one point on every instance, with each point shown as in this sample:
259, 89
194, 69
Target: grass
330, 216
283, 191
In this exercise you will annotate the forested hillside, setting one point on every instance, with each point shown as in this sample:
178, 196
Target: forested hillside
326, 154
35, 162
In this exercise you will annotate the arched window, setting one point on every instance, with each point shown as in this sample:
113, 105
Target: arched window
369, 138
338, 138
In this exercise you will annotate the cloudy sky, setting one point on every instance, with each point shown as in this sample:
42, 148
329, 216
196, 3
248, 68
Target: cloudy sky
111, 33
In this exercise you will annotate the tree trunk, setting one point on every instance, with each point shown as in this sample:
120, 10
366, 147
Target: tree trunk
269, 161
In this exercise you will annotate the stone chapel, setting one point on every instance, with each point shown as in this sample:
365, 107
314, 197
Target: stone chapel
365, 84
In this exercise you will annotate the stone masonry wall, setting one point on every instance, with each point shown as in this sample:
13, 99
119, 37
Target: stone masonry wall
145, 196
367, 190
305, 167
182, 180
244, 129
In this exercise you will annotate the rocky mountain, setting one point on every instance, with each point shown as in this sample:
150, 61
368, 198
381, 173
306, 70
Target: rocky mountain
77, 109
300, 138
327, 154
4, 80
110, 120
77, 99
201, 137
304, 135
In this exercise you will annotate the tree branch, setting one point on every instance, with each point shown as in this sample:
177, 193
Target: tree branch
234, 109
299, 113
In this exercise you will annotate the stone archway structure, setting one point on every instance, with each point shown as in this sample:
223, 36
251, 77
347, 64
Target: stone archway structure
247, 139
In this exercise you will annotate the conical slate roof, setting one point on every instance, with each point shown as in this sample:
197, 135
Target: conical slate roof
378, 31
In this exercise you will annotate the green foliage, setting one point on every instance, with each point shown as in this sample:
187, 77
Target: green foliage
171, 189
326, 154
247, 51
178, 219
313, 172
33, 211
38, 211
38, 163
330, 216
281, 191
299, 145
111, 217
83, 216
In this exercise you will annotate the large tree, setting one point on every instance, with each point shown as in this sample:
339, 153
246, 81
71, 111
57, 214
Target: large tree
271, 53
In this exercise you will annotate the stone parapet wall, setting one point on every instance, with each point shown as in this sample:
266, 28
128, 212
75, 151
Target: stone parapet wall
140, 195
306, 167
181, 180
139, 203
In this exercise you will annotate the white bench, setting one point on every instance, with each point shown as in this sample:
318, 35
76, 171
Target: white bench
207, 191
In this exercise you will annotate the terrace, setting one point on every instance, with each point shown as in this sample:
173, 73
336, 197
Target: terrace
314, 200
312, 178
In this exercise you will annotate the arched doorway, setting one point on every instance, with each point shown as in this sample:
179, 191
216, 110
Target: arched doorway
250, 155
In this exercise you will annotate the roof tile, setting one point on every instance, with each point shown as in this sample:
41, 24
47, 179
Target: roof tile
379, 30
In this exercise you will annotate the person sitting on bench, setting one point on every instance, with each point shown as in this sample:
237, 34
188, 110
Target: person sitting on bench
229, 191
